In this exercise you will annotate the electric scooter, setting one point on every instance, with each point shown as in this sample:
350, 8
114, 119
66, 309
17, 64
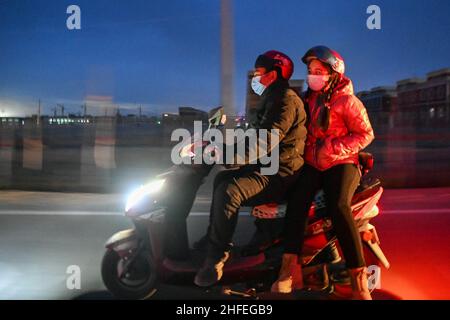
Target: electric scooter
135, 262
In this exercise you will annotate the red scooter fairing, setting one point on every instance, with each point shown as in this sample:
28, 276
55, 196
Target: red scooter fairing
319, 233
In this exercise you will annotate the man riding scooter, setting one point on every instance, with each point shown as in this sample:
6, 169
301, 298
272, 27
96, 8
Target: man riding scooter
282, 109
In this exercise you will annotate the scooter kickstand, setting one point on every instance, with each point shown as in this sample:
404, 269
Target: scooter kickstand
251, 293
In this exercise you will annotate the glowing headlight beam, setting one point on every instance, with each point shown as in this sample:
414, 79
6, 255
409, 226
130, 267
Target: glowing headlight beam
136, 196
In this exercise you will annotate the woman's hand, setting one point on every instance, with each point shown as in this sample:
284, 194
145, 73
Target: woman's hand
325, 153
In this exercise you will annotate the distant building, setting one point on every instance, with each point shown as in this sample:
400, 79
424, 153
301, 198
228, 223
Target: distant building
188, 115
12, 121
381, 104
413, 102
425, 101
297, 85
183, 119
61, 120
192, 112
185, 115
169, 117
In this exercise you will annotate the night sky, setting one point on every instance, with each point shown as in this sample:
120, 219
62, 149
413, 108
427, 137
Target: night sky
166, 54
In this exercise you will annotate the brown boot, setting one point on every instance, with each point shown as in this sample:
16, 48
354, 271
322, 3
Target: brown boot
359, 281
290, 276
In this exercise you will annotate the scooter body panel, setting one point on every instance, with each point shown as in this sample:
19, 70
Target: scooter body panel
122, 241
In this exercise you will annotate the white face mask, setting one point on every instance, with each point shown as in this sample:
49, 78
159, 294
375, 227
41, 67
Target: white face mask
257, 86
317, 82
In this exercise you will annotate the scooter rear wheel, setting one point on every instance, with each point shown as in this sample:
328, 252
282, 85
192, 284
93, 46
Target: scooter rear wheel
139, 282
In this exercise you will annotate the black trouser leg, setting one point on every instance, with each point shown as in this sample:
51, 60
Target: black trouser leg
340, 183
300, 199
221, 177
176, 244
251, 188
270, 231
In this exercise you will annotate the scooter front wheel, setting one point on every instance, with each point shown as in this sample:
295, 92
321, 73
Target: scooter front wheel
138, 281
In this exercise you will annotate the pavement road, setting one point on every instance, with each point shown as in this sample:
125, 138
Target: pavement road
41, 234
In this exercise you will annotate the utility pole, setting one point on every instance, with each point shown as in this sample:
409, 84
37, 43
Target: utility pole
140, 111
227, 60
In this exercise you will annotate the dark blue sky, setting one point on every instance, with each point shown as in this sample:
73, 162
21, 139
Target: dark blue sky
164, 54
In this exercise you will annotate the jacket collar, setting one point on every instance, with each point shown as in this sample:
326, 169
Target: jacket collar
275, 88
344, 87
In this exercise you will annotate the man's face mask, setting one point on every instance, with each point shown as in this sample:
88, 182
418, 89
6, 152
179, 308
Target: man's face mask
257, 86
261, 82
317, 82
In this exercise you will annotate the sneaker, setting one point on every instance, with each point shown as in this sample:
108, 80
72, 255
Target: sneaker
290, 277
212, 270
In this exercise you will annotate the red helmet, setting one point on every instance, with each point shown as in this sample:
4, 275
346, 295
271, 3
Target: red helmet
326, 55
272, 59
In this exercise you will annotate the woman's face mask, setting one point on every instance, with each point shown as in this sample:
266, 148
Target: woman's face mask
257, 86
317, 82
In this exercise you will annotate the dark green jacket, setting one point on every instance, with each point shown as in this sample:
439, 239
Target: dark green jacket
281, 108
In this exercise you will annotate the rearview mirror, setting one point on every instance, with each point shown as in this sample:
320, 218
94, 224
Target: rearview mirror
217, 117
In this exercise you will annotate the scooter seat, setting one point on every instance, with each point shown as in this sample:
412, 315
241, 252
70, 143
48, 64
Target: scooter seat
367, 183
366, 189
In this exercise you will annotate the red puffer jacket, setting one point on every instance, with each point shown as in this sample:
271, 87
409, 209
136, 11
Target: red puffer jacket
349, 130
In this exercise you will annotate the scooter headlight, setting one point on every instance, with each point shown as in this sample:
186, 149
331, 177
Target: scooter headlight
143, 192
